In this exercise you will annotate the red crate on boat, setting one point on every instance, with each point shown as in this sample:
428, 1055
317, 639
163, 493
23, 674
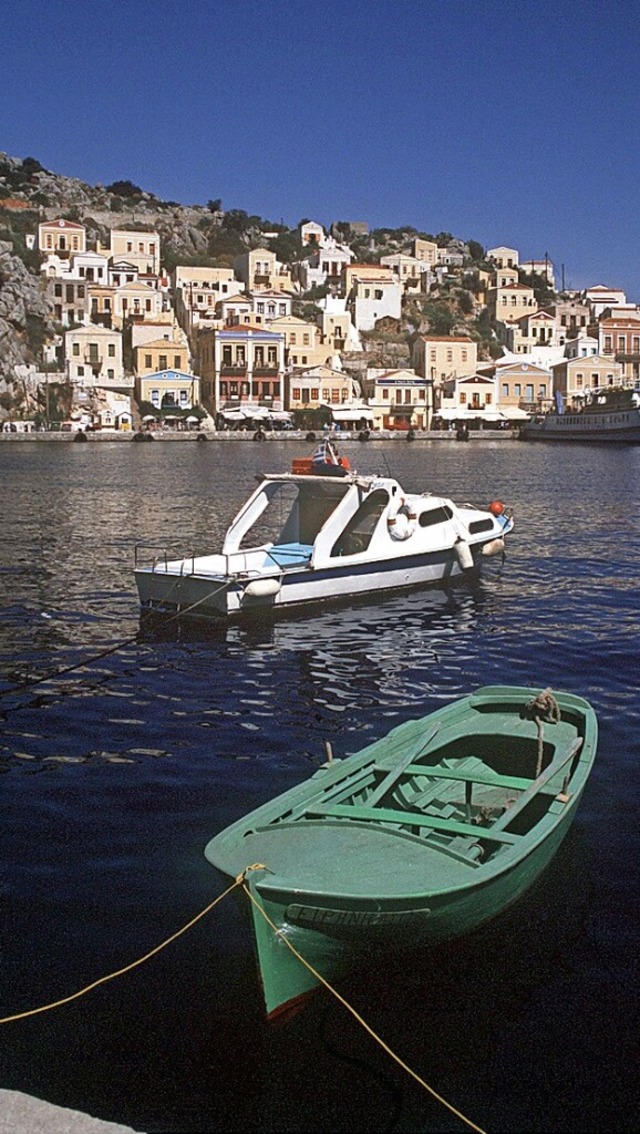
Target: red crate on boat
305, 465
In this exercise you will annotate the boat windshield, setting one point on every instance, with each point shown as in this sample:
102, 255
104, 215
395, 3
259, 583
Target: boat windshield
357, 535
296, 512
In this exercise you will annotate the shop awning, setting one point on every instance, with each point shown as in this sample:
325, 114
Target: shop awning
514, 413
352, 414
455, 415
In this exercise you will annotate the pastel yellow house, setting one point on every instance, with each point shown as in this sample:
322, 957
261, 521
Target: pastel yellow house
260, 270
471, 399
337, 330
63, 237
408, 269
530, 331
521, 388
426, 251
158, 355
509, 302
319, 386
439, 357
575, 378
503, 257
504, 277
93, 357
168, 389
353, 272
398, 399
139, 248
197, 290
100, 303
136, 301
165, 328
303, 341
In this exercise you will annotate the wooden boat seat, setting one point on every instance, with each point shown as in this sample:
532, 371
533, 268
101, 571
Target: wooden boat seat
360, 813
481, 775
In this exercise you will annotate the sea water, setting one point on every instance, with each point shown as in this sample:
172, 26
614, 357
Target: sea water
143, 744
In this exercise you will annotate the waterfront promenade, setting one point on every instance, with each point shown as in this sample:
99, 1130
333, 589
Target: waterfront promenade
299, 436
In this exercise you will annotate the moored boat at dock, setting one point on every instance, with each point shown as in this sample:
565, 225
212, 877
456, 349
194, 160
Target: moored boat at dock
610, 414
323, 532
419, 838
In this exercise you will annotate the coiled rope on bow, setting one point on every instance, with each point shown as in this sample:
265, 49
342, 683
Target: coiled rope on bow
542, 708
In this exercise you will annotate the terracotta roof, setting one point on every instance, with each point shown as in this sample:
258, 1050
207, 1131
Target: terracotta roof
446, 338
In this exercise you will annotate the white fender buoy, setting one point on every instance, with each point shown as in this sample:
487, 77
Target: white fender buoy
493, 547
464, 554
262, 588
401, 524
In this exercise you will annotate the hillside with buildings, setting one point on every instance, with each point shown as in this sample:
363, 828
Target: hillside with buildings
117, 307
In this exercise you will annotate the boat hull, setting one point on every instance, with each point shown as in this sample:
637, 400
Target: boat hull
388, 849
621, 427
345, 935
205, 596
302, 539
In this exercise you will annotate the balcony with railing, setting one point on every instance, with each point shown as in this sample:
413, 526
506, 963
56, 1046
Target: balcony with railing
228, 370
265, 370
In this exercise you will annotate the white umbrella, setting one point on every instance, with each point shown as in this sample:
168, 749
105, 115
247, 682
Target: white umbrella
149, 417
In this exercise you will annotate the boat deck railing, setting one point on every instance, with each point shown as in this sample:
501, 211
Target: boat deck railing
162, 559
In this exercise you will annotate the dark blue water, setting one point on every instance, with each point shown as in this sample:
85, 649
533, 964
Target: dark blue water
117, 773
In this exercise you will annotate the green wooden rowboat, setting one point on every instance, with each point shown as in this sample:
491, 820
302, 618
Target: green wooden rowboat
418, 838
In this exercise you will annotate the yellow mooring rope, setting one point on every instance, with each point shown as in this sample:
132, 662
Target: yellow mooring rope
119, 972
355, 1014
240, 881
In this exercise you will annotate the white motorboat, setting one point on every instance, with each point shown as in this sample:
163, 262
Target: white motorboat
323, 532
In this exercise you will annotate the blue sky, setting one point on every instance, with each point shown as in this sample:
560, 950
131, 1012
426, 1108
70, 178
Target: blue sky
497, 120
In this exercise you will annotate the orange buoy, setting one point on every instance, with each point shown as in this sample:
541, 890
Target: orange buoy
496, 507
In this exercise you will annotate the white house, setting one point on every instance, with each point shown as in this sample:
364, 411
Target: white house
374, 299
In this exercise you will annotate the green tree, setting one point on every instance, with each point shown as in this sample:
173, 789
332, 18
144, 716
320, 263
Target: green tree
286, 247
544, 295
31, 166
440, 317
237, 220
124, 189
476, 251
465, 302
215, 206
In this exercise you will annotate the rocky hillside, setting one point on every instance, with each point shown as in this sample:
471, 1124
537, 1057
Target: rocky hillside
192, 234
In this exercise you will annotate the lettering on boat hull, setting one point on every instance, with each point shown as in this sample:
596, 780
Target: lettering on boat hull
325, 918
